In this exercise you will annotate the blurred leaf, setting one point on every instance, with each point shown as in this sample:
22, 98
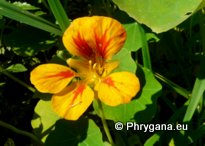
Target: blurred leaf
59, 14
28, 41
159, 15
16, 68
2, 84
197, 92
9, 142
202, 5
18, 14
63, 54
39, 13
25, 6
144, 104
178, 89
127, 63
152, 140
82, 132
44, 119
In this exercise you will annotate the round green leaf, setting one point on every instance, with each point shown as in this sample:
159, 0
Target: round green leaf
25, 6
159, 15
82, 132
44, 119
143, 108
133, 41
126, 63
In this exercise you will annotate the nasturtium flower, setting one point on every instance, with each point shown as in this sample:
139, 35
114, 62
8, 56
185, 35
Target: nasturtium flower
93, 41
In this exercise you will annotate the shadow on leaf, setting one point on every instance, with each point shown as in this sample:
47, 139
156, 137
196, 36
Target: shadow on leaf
68, 133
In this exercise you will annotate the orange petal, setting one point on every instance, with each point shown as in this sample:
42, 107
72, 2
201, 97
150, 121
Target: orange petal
118, 88
51, 78
73, 101
95, 37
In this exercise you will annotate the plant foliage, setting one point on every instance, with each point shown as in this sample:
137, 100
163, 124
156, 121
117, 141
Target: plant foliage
165, 48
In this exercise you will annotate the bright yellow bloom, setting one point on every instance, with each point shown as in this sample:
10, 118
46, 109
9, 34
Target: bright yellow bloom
94, 40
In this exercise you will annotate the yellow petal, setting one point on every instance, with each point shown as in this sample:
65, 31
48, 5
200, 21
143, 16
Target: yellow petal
118, 88
94, 38
73, 101
51, 78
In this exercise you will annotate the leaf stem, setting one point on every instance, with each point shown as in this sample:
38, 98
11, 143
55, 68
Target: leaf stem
22, 132
145, 49
105, 126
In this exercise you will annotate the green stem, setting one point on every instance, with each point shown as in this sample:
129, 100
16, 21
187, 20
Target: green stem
105, 126
145, 49
22, 132
18, 81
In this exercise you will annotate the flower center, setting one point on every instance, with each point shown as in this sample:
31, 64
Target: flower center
95, 73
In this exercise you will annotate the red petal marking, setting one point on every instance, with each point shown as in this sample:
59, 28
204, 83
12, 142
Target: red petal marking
109, 81
65, 74
82, 46
102, 44
78, 91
